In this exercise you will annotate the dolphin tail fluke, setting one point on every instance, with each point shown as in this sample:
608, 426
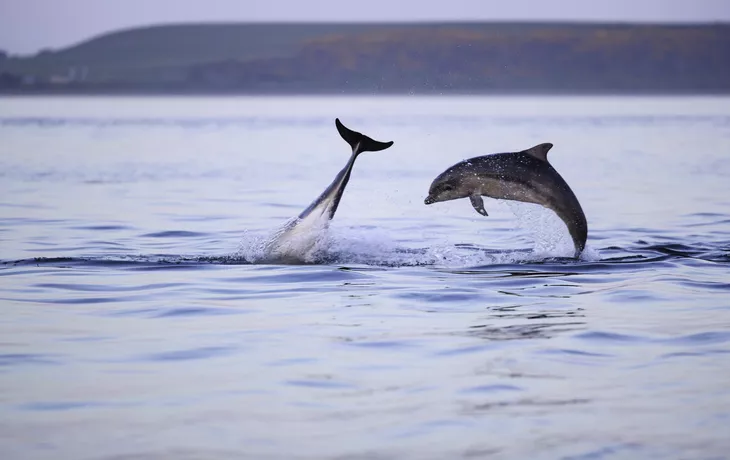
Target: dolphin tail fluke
360, 142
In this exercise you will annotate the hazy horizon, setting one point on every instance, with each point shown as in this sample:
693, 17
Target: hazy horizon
31, 25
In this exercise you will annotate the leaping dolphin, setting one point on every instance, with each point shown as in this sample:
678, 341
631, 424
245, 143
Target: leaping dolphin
298, 235
520, 176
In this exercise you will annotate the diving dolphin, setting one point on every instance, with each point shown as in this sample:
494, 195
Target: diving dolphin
328, 201
520, 176
298, 235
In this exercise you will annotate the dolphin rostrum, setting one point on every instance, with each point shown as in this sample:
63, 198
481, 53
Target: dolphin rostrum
520, 176
297, 236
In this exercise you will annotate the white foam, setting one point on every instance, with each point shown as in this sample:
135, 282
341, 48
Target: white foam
590, 254
551, 236
313, 240
293, 242
368, 246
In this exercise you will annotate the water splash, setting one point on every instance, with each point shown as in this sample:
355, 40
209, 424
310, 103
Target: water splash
296, 241
320, 243
364, 246
551, 236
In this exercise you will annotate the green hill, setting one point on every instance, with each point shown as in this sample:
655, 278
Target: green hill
406, 57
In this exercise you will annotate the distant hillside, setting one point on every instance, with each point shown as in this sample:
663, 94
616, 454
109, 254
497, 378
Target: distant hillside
414, 57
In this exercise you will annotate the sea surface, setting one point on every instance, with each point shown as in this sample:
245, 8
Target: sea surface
137, 321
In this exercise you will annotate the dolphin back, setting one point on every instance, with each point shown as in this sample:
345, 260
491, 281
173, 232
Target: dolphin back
551, 191
560, 198
568, 208
537, 181
358, 141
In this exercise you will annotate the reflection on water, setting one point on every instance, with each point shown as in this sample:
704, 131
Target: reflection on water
136, 324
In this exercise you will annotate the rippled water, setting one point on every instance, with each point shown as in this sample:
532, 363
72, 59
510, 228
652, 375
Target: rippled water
133, 324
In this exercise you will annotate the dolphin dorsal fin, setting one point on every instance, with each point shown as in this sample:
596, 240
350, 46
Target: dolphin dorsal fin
539, 151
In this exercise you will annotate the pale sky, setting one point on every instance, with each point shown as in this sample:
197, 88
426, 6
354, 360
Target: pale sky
28, 25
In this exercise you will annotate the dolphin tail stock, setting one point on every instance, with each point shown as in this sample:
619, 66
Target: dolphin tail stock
360, 142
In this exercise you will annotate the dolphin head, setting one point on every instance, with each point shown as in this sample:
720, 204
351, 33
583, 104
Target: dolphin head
449, 185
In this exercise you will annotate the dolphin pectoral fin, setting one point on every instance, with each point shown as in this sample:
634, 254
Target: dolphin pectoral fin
478, 203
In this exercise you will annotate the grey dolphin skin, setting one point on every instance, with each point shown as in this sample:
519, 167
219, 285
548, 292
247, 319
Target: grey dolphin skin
520, 176
329, 200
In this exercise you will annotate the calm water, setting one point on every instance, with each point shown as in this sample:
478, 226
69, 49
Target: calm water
133, 326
